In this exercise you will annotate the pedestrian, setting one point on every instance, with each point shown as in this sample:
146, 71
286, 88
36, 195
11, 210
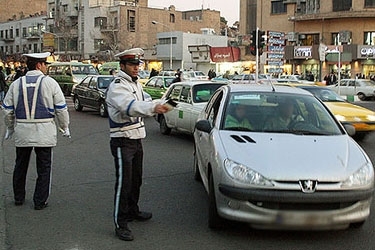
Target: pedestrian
126, 109
2, 85
31, 105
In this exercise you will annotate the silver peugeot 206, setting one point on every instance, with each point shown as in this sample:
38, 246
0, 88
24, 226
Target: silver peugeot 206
275, 157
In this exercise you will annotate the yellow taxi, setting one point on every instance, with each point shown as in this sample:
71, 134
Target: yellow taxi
361, 118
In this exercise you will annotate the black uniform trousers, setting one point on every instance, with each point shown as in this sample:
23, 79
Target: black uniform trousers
43, 167
128, 157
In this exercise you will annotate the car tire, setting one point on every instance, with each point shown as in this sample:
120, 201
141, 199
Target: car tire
164, 129
77, 104
357, 224
214, 220
361, 96
103, 109
197, 175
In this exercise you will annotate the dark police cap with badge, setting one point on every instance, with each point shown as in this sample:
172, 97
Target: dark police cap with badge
38, 57
131, 56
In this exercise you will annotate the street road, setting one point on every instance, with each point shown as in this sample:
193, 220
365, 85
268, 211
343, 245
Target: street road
79, 216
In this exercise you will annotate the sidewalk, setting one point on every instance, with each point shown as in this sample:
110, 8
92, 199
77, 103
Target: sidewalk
2, 206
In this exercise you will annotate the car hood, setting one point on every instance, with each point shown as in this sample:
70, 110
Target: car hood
288, 157
350, 111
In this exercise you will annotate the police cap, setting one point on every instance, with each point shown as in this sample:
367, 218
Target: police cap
131, 55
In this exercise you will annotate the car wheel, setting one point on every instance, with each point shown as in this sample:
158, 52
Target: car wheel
164, 129
103, 110
77, 104
361, 96
197, 175
214, 220
359, 136
357, 224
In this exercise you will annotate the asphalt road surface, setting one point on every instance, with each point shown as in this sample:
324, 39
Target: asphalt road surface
79, 216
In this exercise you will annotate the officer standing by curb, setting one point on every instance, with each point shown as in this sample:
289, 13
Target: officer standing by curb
31, 105
126, 109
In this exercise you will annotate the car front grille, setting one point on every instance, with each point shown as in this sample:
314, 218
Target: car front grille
302, 206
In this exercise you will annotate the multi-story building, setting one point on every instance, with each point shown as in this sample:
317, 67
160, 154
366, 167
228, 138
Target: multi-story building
315, 31
88, 29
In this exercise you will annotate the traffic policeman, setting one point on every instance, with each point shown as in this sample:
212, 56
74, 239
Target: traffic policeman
31, 105
126, 109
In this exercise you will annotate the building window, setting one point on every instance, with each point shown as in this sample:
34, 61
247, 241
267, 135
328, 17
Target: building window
98, 43
172, 18
341, 5
369, 38
278, 7
309, 39
2, 34
24, 32
167, 40
369, 3
131, 20
100, 22
17, 32
18, 49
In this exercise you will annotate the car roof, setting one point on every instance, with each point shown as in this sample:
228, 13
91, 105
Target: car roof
267, 88
197, 82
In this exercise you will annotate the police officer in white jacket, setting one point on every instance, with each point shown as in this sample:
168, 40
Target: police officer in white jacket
31, 105
126, 109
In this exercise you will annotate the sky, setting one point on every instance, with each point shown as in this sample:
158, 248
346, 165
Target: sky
228, 9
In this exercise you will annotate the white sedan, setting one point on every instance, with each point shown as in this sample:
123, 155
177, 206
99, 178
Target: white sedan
363, 88
190, 97
275, 157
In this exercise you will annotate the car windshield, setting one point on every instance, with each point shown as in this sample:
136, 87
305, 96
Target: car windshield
103, 82
326, 95
203, 92
278, 113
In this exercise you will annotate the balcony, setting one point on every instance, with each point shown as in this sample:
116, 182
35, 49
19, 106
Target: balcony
109, 28
7, 39
334, 15
33, 36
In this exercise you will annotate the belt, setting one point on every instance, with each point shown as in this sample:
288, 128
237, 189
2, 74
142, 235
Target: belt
128, 127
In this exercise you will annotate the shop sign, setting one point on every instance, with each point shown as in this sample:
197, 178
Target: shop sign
224, 54
366, 51
303, 52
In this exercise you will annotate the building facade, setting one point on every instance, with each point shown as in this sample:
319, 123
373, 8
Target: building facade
315, 31
98, 29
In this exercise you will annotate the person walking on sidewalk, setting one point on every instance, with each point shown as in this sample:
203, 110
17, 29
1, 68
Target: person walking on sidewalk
31, 105
126, 109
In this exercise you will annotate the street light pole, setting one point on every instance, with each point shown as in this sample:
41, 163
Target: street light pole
171, 41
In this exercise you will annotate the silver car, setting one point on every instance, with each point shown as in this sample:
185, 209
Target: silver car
363, 88
190, 97
275, 157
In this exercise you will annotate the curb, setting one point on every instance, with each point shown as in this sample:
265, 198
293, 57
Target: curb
2, 199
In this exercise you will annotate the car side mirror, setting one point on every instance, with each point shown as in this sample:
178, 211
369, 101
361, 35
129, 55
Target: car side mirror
349, 129
203, 125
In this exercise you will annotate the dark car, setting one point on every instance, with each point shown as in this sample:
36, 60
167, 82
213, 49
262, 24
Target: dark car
90, 93
156, 86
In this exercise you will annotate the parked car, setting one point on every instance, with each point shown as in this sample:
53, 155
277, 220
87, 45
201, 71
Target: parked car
250, 78
309, 175
156, 86
190, 96
106, 67
193, 75
293, 79
90, 93
69, 74
361, 118
363, 88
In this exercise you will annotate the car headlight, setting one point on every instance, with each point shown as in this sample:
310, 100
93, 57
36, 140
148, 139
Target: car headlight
363, 177
340, 118
371, 118
245, 174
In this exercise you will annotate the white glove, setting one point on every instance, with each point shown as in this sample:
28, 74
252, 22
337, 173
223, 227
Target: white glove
8, 134
66, 132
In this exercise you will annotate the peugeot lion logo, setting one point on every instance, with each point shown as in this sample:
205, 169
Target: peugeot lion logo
308, 186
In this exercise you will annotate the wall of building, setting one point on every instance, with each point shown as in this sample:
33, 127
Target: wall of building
11, 10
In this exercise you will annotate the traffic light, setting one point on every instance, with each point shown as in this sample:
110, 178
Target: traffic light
253, 43
261, 39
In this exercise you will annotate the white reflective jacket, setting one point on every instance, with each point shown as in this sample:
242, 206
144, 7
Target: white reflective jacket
127, 107
31, 105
